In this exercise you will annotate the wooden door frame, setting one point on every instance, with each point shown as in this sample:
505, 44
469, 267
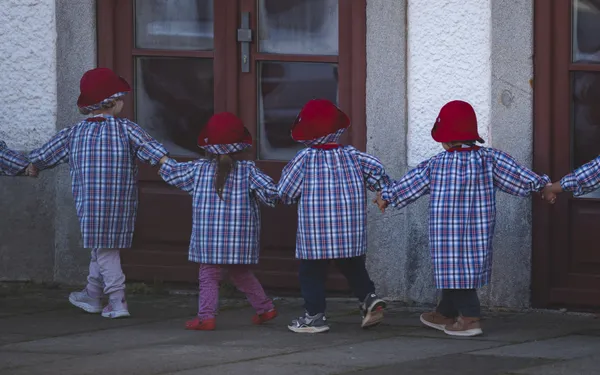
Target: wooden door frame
551, 67
542, 148
353, 47
115, 41
550, 232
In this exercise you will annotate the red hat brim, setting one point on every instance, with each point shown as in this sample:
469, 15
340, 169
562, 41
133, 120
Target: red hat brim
442, 138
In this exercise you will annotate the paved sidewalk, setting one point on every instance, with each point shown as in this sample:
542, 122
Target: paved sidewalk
40, 333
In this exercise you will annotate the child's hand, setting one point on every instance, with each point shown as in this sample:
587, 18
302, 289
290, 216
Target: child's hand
548, 194
380, 202
163, 160
31, 171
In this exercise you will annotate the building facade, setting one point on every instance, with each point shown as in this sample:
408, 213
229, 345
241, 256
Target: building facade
531, 69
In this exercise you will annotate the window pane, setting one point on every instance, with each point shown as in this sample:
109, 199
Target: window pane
307, 27
586, 118
284, 89
586, 31
174, 99
174, 24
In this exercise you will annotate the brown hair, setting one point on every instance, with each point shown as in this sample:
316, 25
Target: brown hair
225, 165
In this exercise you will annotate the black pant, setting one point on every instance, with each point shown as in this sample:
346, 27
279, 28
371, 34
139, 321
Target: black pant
313, 274
459, 301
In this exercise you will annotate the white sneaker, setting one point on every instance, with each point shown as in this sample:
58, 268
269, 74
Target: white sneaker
116, 309
85, 302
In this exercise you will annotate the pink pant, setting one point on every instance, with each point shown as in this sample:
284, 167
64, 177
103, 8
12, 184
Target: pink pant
106, 275
242, 278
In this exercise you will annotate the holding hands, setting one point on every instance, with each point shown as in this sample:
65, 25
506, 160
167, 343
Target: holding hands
551, 191
31, 171
380, 202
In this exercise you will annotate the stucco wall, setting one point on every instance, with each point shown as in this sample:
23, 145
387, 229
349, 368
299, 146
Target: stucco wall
475, 50
386, 138
449, 49
27, 118
38, 226
28, 66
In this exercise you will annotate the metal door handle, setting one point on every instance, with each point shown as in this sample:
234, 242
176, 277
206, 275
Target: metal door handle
244, 37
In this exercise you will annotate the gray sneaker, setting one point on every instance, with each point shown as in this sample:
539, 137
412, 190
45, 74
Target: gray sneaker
85, 302
116, 308
309, 324
372, 310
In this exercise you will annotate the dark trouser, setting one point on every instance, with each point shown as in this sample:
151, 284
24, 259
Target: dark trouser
313, 274
456, 302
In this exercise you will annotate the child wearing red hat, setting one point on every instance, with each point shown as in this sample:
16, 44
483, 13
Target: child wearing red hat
226, 216
101, 152
329, 183
13, 163
462, 183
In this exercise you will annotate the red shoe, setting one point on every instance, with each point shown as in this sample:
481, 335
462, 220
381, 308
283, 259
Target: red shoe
200, 325
265, 317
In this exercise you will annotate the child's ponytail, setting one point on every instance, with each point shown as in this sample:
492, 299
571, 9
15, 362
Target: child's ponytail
224, 167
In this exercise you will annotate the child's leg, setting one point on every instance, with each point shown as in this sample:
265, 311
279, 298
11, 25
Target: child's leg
209, 276
467, 303
313, 274
446, 305
109, 263
445, 313
312, 285
355, 271
208, 298
89, 298
95, 285
243, 279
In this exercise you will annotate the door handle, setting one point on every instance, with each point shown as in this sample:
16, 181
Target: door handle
244, 37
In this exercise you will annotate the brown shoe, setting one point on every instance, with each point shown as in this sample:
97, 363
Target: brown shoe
436, 320
465, 327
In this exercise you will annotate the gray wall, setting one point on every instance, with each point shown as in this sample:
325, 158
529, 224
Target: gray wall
76, 52
27, 228
386, 138
398, 241
27, 85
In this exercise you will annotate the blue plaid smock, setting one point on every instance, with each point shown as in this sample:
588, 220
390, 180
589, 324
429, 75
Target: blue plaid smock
584, 179
102, 153
223, 231
462, 208
12, 163
330, 189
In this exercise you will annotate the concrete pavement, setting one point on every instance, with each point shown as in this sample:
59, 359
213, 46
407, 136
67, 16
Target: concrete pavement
40, 333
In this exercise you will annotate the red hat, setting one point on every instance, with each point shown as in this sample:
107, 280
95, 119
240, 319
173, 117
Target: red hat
456, 122
318, 118
224, 129
99, 84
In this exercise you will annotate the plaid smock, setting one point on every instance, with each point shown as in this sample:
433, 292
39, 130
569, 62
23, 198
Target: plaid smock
462, 208
223, 231
330, 186
584, 179
102, 153
12, 163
